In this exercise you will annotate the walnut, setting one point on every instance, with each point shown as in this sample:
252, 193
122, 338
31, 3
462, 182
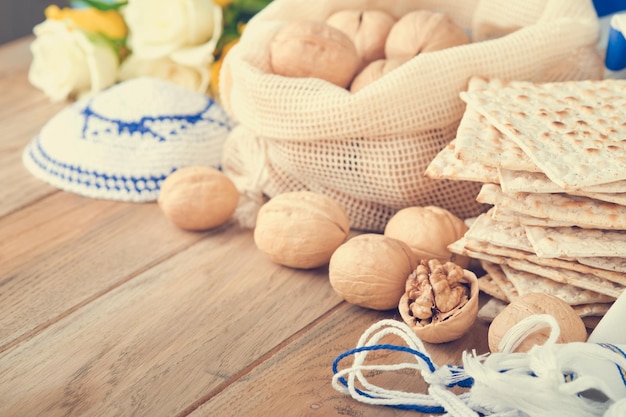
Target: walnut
370, 270
305, 48
420, 291
368, 29
423, 31
198, 198
440, 301
374, 71
428, 231
571, 325
301, 229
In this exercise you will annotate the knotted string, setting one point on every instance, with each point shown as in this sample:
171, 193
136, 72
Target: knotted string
546, 380
447, 376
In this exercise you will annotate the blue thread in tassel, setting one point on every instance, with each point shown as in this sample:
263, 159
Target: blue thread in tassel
464, 383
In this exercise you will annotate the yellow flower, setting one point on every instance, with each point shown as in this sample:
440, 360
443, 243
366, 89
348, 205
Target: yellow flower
108, 23
222, 3
217, 66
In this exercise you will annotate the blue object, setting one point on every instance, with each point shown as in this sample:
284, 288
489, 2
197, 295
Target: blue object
608, 7
121, 143
426, 360
615, 59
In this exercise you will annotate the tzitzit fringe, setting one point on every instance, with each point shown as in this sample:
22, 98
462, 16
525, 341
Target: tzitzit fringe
549, 380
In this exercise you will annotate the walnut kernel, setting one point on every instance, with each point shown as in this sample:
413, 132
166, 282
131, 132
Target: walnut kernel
440, 301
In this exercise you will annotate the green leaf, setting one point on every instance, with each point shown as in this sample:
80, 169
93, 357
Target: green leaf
101, 5
117, 45
251, 6
234, 14
244, 10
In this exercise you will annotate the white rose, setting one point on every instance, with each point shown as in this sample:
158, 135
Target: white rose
193, 77
159, 27
66, 62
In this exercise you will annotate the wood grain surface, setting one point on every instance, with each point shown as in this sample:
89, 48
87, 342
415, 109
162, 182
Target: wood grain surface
107, 309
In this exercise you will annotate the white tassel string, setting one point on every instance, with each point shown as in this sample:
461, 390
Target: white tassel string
548, 380
372, 394
617, 409
524, 328
450, 402
535, 382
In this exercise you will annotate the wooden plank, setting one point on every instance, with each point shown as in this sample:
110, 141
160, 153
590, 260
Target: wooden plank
20, 190
18, 187
23, 111
18, 95
296, 381
156, 344
16, 57
19, 128
65, 250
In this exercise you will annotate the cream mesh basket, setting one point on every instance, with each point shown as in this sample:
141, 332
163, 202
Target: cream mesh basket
369, 150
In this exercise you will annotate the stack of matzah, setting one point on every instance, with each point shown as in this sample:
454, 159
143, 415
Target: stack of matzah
553, 160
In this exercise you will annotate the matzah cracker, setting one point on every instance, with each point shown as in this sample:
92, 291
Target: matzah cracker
572, 130
507, 234
501, 280
535, 182
481, 256
487, 285
499, 254
592, 310
590, 313
522, 181
477, 141
574, 278
459, 247
579, 211
571, 242
526, 283
491, 309
526, 182
617, 198
609, 264
446, 166
504, 215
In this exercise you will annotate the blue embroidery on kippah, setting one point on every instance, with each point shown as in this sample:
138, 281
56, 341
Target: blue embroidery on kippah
143, 125
209, 124
76, 174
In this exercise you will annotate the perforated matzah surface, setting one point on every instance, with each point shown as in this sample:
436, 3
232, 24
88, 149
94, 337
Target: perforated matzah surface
574, 131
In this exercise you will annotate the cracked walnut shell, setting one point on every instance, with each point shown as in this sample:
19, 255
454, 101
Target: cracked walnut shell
440, 302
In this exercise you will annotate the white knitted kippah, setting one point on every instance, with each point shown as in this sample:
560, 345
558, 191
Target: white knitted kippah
123, 142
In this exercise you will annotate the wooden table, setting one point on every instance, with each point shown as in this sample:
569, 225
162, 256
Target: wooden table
107, 309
